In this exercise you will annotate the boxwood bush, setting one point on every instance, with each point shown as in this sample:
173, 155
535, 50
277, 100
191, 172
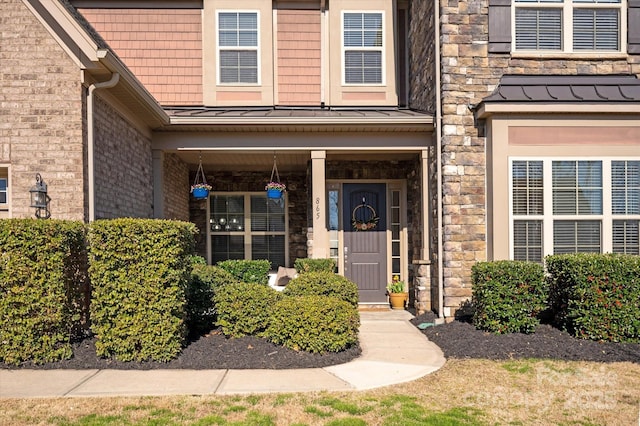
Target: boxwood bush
507, 296
200, 307
323, 284
595, 296
314, 324
43, 277
243, 309
248, 271
304, 265
139, 270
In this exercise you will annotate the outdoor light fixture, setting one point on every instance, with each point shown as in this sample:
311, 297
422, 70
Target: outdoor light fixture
39, 198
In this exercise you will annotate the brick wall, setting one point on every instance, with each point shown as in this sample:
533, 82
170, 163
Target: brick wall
176, 188
41, 109
123, 166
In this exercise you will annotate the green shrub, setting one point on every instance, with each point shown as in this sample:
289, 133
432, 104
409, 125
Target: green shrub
508, 296
248, 271
244, 308
595, 296
200, 308
304, 265
43, 280
323, 284
314, 324
139, 270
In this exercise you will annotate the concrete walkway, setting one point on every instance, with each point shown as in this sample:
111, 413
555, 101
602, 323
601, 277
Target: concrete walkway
393, 351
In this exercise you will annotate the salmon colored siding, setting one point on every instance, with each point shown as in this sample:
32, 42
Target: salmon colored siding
162, 47
298, 57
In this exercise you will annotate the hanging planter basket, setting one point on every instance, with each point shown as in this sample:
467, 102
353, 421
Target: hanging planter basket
200, 188
274, 188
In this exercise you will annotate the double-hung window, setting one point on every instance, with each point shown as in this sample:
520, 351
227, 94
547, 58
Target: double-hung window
573, 206
248, 226
362, 37
238, 47
571, 26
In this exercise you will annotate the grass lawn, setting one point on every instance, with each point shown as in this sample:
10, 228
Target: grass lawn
463, 392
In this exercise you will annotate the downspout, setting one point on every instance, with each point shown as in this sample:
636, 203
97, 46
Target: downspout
439, 158
115, 77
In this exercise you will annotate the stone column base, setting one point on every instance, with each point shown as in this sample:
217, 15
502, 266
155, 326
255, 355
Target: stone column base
422, 286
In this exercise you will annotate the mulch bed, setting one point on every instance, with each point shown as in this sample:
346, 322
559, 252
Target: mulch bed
457, 339
460, 339
212, 351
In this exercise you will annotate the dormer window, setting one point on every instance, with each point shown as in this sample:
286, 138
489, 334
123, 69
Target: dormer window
238, 46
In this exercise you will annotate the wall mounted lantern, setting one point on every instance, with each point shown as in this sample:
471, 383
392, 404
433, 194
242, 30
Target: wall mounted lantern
40, 199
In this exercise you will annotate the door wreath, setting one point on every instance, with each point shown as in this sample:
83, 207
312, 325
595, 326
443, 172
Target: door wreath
364, 220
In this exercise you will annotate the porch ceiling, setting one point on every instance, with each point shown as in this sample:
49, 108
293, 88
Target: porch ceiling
288, 161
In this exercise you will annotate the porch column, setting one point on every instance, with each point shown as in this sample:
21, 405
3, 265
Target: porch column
426, 205
319, 244
422, 267
158, 183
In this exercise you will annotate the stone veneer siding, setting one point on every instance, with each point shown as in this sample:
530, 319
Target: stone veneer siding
176, 188
470, 73
41, 109
255, 182
123, 166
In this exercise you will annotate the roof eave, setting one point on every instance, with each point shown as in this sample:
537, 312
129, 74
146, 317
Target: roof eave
488, 109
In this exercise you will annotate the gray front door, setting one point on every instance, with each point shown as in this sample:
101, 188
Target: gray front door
365, 238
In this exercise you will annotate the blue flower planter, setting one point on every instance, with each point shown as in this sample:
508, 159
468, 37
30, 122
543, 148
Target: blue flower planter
200, 193
274, 193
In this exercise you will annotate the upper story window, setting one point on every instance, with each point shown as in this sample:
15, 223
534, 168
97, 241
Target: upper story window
362, 38
238, 45
571, 26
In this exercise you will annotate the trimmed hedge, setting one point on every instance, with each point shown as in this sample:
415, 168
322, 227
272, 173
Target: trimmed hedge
205, 279
304, 265
244, 308
139, 270
43, 274
248, 271
314, 324
508, 295
323, 284
596, 296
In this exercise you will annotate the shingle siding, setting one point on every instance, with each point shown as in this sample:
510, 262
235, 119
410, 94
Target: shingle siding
162, 47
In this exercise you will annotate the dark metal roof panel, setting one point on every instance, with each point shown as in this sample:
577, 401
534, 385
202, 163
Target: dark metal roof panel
566, 88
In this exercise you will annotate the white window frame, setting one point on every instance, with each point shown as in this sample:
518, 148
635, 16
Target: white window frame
219, 48
381, 49
606, 218
567, 7
247, 232
5, 176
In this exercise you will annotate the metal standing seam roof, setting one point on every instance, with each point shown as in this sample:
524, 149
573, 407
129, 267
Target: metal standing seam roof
566, 88
299, 113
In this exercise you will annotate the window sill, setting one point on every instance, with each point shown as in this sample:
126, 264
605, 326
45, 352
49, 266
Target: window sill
569, 55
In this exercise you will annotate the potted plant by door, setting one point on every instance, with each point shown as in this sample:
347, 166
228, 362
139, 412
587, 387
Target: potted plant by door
275, 189
397, 293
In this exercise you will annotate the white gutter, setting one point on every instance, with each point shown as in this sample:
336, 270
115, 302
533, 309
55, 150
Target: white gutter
438, 126
115, 77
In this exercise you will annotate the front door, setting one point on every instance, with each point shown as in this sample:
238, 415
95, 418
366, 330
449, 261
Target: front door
365, 238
